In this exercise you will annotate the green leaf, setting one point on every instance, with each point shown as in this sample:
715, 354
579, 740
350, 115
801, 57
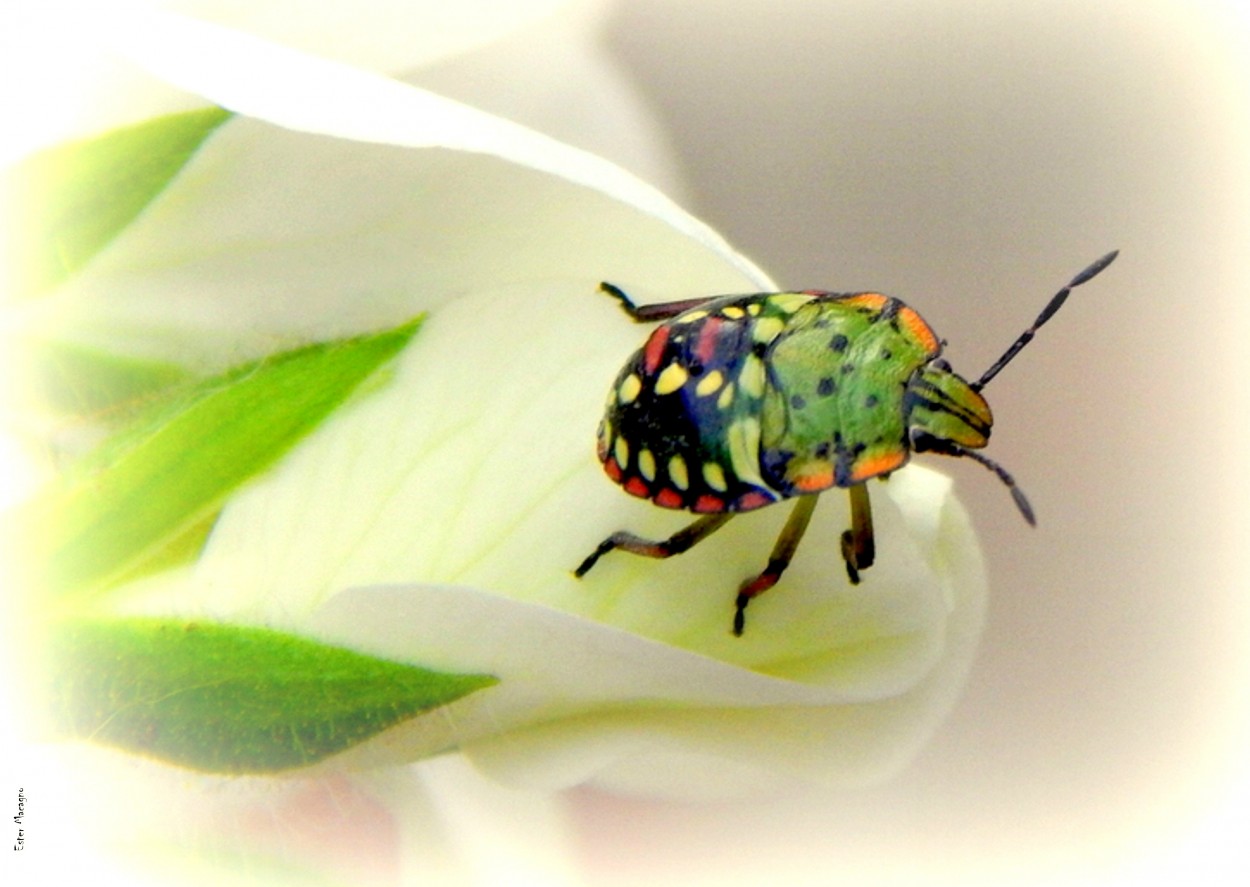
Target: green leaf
68, 202
178, 462
230, 699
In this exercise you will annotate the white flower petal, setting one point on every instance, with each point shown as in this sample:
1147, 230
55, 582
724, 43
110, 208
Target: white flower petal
314, 95
473, 469
466, 479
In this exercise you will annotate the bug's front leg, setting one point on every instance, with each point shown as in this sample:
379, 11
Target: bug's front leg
680, 541
858, 549
783, 553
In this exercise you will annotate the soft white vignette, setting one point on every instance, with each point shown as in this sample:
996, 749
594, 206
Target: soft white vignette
454, 826
656, 261
58, 83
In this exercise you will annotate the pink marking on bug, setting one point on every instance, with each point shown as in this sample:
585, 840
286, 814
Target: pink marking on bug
709, 337
752, 500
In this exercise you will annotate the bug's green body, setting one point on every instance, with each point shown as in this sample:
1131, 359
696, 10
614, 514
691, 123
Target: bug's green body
736, 402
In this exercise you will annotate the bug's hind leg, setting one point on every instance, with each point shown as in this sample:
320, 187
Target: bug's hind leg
858, 549
683, 540
650, 313
783, 552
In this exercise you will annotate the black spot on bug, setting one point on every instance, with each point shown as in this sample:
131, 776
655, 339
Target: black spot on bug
774, 462
759, 349
826, 386
847, 368
839, 343
797, 401
885, 354
822, 450
870, 401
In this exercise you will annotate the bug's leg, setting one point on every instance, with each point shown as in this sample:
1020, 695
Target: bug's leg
783, 551
858, 549
650, 313
680, 541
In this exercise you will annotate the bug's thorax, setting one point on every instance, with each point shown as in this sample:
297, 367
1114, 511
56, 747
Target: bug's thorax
833, 414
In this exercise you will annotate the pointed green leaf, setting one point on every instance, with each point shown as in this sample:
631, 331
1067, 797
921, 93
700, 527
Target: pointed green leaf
176, 465
230, 699
66, 203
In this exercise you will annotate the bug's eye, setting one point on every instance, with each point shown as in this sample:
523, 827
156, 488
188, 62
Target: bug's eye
941, 364
924, 442
921, 441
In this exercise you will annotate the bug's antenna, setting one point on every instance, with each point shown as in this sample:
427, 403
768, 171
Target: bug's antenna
1047, 313
1017, 494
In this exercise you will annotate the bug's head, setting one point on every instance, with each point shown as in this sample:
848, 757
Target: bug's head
948, 415
943, 408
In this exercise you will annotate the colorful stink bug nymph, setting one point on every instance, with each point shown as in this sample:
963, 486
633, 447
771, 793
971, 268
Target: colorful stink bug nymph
736, 402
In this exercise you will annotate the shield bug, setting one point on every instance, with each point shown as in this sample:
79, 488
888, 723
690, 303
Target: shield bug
736, 402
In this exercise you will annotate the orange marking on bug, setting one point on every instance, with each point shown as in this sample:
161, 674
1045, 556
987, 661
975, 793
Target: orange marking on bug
636, 486
815, 476
918, 329
871, 466
752, 500
708, 504
667, 498
612, 469
875, 301
654, 349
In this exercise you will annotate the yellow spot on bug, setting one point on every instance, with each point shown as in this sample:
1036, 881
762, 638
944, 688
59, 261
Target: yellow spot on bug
690, 316
733, 312
710, 383
754, 308
789, 302
751, 376
677, 473
726, 397
622, 452
767, 328
744, 449
630, 388
714, 476
671, 378
646, 465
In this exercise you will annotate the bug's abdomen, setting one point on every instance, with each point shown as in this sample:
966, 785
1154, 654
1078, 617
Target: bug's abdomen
682, 422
